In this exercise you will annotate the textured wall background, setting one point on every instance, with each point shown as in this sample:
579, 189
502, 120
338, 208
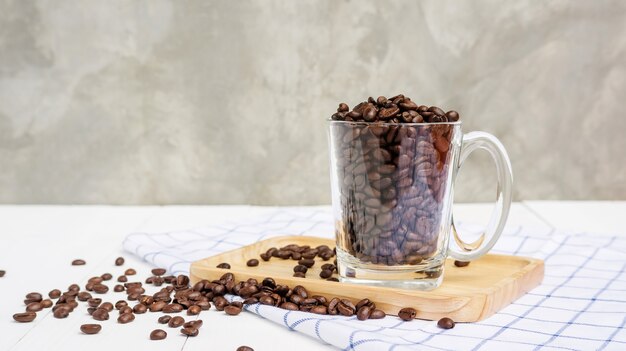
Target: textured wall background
141, 102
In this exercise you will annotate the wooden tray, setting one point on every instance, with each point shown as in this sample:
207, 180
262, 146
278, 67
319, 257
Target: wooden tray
467, 294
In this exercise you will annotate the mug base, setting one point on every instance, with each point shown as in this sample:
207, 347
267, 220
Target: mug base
425, 276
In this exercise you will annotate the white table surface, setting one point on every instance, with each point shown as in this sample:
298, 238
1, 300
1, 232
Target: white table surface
38, 243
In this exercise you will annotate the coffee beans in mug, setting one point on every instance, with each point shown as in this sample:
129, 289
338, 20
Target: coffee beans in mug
25, 317
90, 329
158, 334
407, 314
445, 323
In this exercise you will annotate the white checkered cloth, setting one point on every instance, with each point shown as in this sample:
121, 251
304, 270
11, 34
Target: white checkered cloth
581, 304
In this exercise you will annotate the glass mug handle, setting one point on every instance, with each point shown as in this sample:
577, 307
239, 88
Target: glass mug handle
471, 142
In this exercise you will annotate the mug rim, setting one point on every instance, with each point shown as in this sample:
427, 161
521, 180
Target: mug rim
378, 123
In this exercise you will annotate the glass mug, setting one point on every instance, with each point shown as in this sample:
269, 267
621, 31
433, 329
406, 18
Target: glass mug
392, 190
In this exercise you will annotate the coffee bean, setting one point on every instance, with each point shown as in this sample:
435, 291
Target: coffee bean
122, 279
253, 262
164, 319
407, 314
2, 273
300, 268
118, 288
47, 303
125, 318
343, 107
130, 271
25, 317
223, 265
78, 262
54, 294
244, 348
107, 276
61, 312
126, 309
364, 312
194, 310
377, 314
461, 263
83, 296
232, 310
190, 331
445, 323
289, 306
176, 322
172, 308
326, 273
299, 275
119, 261
320, 309
100, 289
90, 329
34, 307
158, 271
158, 334
140, 308
157, 306
33, 297
100, 314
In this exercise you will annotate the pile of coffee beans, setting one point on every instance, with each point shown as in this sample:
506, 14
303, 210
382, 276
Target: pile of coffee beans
305, 255
392, 177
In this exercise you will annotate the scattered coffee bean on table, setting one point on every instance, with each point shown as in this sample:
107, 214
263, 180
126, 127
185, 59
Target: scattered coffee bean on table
126, 318
2, 273
193, 324
158, 334
25, 317
176, 322
119, 261
407, 314
232, 310
78, 262
32, 297
34, 307
130, 271
191, 331
461, 263
245, 348
90, 329
445, 323
54, 294
223, 265
253, 262
164, 319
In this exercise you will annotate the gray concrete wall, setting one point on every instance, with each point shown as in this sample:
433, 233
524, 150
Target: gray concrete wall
200, 102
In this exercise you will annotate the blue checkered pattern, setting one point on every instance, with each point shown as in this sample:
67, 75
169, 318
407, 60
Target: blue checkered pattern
581, 304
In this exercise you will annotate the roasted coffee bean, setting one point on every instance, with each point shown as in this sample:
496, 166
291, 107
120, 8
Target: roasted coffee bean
377, 314
269, 282
363, 313
253, 262
189, 331
120, 304
83, 296
461, 263
289, 306
118, 288
244, 348
445, 323
100, 289
232, 310
125, 318
172, 308
159, 271
194, 310
300, 268
325, 273
157, 306
73, 288
125, 309
265, 257
407, 314
25, 317
33, 297
2, 273
345, 307
61, 312
320, 309
47, 303
164, 319
90, 329
299, 275
130, 271
100, 314
140, 308
176, 322
54, 294
119, 261
220, 302
106, 276
122, 279
78, 262
34, 307
307, 262
223, 265
193, 324
158, 334
343, 107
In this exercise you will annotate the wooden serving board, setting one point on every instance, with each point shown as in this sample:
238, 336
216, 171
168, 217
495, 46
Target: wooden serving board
467, 294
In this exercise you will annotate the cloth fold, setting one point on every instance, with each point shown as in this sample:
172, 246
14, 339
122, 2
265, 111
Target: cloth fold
581, 304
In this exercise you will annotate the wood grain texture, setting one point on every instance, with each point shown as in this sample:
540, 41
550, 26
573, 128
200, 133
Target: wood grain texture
467, 294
